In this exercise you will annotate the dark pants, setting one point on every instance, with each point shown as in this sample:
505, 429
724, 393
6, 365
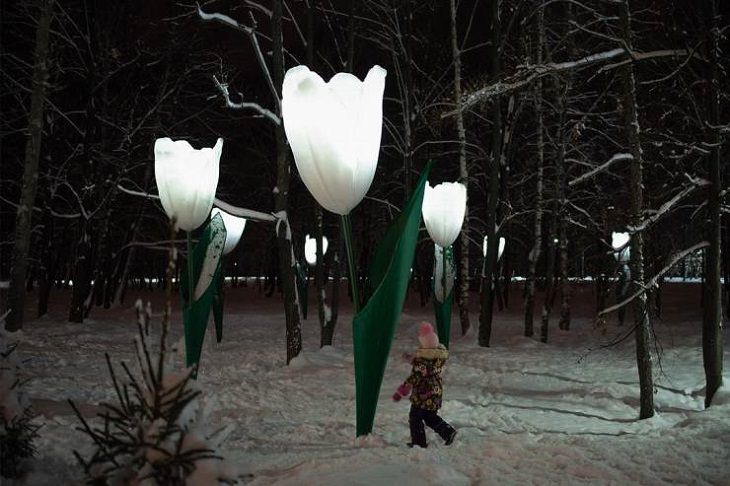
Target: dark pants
416, 419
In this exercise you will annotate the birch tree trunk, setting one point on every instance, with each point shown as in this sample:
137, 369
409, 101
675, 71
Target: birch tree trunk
281, 201
562, 233
712, 339
534, 255
487, 299
407, 99
642, 317
463, 178
24, 216
326, 327
49, 262
549, 297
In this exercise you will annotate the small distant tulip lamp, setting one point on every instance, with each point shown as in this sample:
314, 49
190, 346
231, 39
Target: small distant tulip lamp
234, 229
500, 250
310, 249
620, 242
444, 207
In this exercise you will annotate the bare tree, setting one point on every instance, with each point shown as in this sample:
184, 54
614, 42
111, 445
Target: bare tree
23, 225
534, 255
712, 339
493, 181
463, 178
642, 316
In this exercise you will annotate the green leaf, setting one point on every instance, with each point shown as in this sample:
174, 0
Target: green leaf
373, 327
218, 305
206, 257
300, 274
443, 283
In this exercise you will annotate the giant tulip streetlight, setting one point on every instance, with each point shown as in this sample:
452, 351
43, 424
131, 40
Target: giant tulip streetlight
186, 181
334, 130
444, 207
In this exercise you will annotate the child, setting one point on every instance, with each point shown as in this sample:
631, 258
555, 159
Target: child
424, 386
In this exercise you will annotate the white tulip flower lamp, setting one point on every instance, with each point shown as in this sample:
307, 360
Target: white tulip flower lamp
619, 242
186, 181
444, 208
334, 130
310, 249
234, 229
500, 250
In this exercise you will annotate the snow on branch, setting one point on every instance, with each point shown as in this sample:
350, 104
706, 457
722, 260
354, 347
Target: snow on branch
229, 208
653, 281
616, 158
137, 193
667, 206
243, 105
244, 213
528, 74
251, 33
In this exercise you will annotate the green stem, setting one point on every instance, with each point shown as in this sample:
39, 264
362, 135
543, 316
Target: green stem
347, 233
191, 286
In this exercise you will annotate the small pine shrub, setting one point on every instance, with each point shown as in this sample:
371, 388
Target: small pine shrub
17, 432
154, 434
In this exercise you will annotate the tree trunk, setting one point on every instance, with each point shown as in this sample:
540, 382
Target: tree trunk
49, 262
534, 255
463, 178
712, 339
562, 233
320, 277
81, 273
24, 217
283, 229
407, 109
487, 300
549, 297
642, 317
329, 329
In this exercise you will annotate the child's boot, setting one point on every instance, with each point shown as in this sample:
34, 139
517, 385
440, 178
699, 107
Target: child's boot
447, 433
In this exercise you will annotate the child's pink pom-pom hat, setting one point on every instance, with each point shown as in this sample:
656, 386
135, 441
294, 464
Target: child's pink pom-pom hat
426, 336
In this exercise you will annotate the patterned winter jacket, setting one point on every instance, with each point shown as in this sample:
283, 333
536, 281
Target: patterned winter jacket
425, 380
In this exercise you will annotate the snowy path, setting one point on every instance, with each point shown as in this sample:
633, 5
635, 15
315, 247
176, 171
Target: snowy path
527, 413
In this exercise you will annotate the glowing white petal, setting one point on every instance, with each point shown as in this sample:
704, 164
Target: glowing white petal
234, 228
500, 250
444, 207
310, 249
186, 180
618, 241
334, 131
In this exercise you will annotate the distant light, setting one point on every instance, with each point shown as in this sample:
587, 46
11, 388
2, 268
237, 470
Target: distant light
500, 248
310, 249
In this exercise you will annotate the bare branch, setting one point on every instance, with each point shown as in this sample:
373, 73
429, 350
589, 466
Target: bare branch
528, 74
223, 87
651, 283
600, 168
226, 20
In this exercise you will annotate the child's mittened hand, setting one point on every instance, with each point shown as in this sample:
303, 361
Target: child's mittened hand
396, 397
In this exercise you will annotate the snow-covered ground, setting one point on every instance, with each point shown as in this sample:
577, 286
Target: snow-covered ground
527, 413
